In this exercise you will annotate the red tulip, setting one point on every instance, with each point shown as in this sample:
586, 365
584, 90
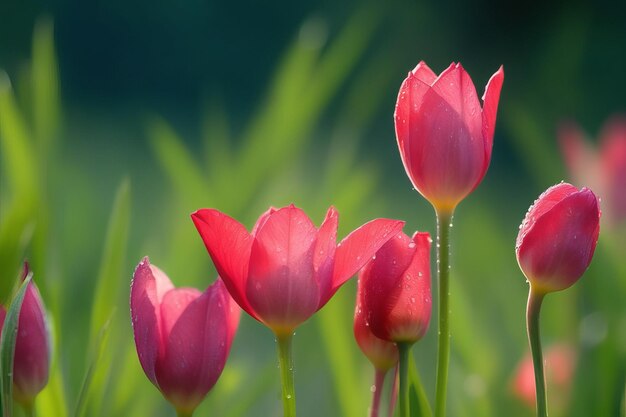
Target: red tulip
31, 362
183, 336
557, 238
395, 289
381, 353
287, 269
445, 137
605, 170
560, 361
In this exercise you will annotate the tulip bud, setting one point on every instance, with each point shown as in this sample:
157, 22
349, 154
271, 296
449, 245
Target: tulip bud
395, 288
444, 136
381, 353
31, 362
558, 237
183, 336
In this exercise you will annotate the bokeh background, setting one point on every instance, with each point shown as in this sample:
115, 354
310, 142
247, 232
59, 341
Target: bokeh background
118, 119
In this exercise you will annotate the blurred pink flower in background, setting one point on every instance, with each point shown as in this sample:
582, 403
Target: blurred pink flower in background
602, 168
560, 364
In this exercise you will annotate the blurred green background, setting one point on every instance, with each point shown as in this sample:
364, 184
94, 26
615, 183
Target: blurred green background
118, 119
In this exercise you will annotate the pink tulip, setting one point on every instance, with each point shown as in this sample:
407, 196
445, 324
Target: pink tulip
183, 336
381, 353
286, 269
445, 137
558, 237
395, 289
560, 361
604, 170
31, 362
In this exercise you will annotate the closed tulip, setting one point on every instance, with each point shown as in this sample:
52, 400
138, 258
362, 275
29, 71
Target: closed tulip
558, 237
286, 269
183, 336
395, 289
381, 353
444, 135
31, 362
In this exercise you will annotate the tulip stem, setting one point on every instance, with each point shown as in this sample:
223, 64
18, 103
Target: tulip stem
286, 373
29, 410
377, 390
532, 325
404, 348
444, 226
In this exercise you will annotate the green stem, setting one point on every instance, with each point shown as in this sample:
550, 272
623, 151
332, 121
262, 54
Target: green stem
29, 409
532, 325
404, 349
444, 226
377, 390
286, 374
184, 413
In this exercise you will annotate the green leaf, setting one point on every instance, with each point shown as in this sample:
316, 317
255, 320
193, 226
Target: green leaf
110, 277
418, 400
45, 82
7, 348
88, 388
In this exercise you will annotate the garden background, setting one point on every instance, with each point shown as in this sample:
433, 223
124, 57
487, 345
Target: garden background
118, 119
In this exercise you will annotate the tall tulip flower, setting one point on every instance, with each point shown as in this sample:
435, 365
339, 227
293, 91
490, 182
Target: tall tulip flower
31, 362
394, 290
554, 247
183, 336
445, 139
603, 169
286, 269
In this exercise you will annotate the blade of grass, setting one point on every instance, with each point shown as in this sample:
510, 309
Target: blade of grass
110, 276
7, 348
88, 388
45, 82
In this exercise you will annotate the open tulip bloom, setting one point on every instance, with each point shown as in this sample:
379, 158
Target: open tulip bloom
554, 247
286, 269
445, 138
183, 336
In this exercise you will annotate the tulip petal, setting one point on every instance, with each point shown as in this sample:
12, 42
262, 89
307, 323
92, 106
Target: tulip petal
282, 287
490, 109
356, 249
557, 248
546, 201
229, 245
424, 73
3, 314
324, 256
201, 331
148, 288
396, 287
456, 88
